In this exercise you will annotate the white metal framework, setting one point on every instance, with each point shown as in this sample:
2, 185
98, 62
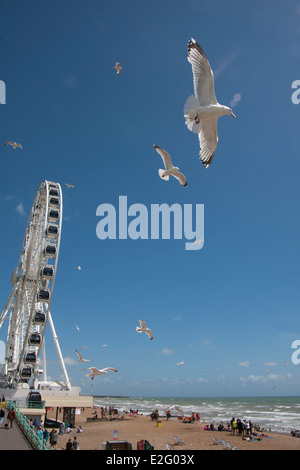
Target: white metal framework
28, 307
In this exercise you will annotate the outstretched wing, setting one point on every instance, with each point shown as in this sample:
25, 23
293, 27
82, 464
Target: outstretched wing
180, 177
203, 76
165, 156
208, 138
110, 368
149, 333
143, 324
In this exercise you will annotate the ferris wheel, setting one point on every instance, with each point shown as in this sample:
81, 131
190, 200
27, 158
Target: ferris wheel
27, 311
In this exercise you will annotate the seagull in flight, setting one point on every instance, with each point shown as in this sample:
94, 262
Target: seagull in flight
180, 363
202, 110
69, 185
79, 268
118, 67
180, 410
13, 144
95, 371
169, 168
80, 358
77, 328
143, 328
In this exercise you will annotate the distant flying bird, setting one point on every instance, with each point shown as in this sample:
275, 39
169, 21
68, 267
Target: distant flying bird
104, 345
202, 110
77, 328
143, 328
177, 408
80, 358
118, 67
69, 185
95, 371
169, 168
180, 363
13, 144
79, 268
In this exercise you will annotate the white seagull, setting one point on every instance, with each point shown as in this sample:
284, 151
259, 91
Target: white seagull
180, 363
79, 268
143, 328
95, 371
202, 110
180, 410
118, 67
77, 328
169, 168
13, 144
80, 358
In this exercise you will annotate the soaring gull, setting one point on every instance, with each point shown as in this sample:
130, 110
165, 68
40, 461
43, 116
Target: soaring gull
169, 168
69, 185
13, 144
143, 328
181, 363
80, 358
118, 67
202, 110
95, 371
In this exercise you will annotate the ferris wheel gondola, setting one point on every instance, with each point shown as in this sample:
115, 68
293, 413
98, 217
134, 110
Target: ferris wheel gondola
28, 306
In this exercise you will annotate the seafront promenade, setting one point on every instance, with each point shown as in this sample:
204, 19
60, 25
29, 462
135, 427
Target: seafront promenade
12, 438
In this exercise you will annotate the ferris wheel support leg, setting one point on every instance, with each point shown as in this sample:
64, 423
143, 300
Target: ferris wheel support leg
55, 339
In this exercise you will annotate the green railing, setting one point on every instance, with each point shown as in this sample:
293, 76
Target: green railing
35, 441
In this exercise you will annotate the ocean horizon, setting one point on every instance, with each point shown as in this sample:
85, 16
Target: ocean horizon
273, 413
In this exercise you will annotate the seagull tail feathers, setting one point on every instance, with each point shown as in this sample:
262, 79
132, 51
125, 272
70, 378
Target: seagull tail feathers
190, 110
161, 172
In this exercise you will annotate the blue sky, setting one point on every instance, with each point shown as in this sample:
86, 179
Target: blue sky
230, 311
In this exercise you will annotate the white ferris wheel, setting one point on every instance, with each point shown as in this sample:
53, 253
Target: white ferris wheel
27, 311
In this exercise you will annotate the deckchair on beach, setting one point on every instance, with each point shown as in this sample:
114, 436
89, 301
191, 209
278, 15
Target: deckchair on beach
216, 442
169, 447
228, 446
178, 441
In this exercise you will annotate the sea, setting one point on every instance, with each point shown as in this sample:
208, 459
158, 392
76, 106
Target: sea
277, 414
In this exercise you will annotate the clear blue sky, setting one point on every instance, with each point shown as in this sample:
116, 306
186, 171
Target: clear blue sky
230, 311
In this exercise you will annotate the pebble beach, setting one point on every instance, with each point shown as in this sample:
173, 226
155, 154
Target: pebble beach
138, 427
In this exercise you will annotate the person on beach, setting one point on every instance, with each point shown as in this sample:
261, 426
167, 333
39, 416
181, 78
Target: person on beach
54, 439
11, 416
2, 414
69, 445
75, 444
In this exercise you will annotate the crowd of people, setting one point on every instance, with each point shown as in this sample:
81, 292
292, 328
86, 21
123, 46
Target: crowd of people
237, 427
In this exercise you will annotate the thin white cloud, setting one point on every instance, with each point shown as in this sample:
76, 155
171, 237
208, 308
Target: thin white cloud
166, 351
20, 209
207, 343
201, 380
270, 364
265, 378
178, 317
69, 361
244, 364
